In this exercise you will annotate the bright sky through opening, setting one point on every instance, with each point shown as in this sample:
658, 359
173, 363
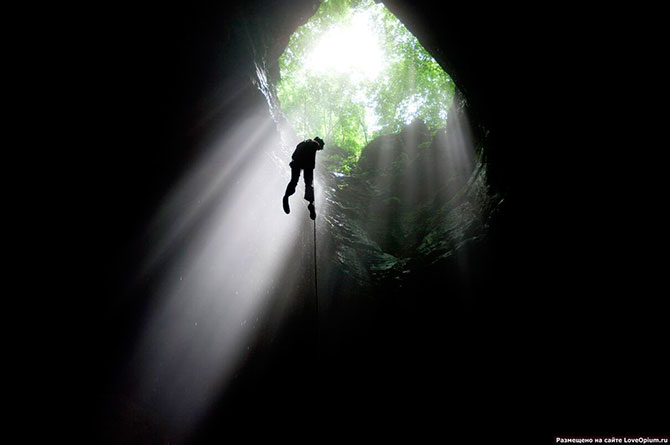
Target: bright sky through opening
354, 72
351, 49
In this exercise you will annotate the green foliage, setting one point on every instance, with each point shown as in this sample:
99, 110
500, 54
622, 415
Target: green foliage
414, 85
348, 109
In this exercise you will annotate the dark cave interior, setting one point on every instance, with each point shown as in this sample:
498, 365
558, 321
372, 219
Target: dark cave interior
555, 331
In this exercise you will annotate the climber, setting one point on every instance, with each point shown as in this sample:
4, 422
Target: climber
304, 158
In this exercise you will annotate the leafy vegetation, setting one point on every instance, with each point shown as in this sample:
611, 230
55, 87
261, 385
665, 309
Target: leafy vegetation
354, 72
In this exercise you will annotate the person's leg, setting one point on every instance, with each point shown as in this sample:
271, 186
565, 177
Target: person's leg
290, 188
309, 187
309, 192
295, 176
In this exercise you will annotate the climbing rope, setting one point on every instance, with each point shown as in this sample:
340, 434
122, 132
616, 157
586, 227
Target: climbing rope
316, 288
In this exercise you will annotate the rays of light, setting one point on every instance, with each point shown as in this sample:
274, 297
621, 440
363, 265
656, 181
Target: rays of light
444, 167
218, 243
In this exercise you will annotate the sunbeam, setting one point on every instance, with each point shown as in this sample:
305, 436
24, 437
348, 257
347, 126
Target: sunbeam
218, 247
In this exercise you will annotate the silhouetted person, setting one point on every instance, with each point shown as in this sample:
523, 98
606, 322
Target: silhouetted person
304, 158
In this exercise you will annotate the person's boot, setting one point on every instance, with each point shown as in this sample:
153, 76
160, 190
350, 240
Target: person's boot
287, 209
312, 211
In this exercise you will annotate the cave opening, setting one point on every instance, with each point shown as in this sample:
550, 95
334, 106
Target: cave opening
353, 73
402, 182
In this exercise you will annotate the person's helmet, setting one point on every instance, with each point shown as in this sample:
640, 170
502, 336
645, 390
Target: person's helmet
319, 141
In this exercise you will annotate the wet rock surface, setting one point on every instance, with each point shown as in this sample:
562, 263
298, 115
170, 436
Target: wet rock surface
404, 208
